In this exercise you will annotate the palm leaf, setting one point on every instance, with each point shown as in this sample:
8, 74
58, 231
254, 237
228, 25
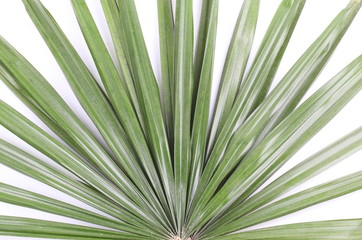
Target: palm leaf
166, 33
307, 169
183, 70
124, 110
148, 95
170, 166
111, 13
28, 227
295, 131
24, 163
21, 197
280, 102
46, 144
300, 200
52, 104
341, 229
236, 60
207, 41
84, 86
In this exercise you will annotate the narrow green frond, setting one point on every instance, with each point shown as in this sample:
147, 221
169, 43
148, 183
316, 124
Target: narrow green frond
24, 163
111, 13
166, 32
306, 70
28, 227
277, 105
235, 63
207, 19
31, 87
299, 174
30, 133
258, 80
157, 166
296, 202
183, 105
25, 80
348, 229
123, 106
24, 198
8, 79
114, 82
148, 95
281, 143
88, 92
207, 35
270, 52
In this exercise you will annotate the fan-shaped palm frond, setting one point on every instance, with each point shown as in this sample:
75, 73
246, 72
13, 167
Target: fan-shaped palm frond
165, 170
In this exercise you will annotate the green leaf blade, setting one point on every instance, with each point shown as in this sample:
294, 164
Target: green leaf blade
30, 133
166, 34
299, 201
277, 105
125, 112
235, 64
28, 227
202, 105
21, 197
304, 171
183, 105
25, 80
285, 140
148, 95
337, 229
111, 13
257, 82
24, 163
84, 86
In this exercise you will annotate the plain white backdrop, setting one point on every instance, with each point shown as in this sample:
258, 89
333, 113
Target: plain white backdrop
17, 28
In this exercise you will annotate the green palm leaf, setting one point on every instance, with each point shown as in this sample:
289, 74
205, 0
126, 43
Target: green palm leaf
307, 169
183, 70
301, 200
36, 137
237, 58
341, 229
84, 86
148, 95
207, 42
118, 96
24, 163
111, 13
273, 152
280, 102
53, 106
166, 32
25, 198
170, 165
28, 227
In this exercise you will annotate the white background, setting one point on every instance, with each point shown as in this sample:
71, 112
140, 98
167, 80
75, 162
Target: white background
17, 28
